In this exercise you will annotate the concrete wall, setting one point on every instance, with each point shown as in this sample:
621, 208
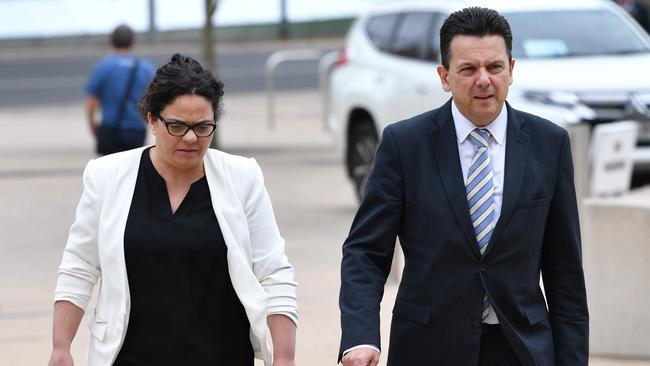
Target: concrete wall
616, 253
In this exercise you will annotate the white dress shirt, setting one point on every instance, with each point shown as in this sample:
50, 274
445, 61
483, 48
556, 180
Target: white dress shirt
497, 151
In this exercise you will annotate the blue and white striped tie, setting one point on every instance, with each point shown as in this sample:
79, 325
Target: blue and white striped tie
480, 195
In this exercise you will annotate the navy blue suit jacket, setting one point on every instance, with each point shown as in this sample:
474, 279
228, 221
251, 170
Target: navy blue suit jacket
416, 192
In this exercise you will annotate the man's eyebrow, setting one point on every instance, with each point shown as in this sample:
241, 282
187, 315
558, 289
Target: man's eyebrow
470, 64
465, 63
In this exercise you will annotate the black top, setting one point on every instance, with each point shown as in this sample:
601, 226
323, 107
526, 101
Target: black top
184, 310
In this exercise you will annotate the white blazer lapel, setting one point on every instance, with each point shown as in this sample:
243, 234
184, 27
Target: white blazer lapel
228, 210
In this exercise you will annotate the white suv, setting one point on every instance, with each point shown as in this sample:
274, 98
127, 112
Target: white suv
577, 61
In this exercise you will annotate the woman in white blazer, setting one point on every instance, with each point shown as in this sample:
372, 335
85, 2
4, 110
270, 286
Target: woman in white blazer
184, 240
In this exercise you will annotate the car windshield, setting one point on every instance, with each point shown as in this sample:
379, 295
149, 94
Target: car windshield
572, 33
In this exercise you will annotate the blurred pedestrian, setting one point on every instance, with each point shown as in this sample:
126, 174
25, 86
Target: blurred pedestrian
638, 10
184, 239
482, 198
115, 85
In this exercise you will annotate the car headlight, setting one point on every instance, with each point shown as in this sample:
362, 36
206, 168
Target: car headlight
556, 98
561, 99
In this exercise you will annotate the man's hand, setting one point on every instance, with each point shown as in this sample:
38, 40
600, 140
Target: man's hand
361, 357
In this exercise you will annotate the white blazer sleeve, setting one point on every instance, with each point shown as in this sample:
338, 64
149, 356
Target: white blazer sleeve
270, 264
80, 269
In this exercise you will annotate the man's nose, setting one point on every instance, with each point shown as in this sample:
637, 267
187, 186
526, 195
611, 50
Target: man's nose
483, 78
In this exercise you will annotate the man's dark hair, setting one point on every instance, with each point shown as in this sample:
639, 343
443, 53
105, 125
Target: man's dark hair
473, 21
182, 75
122, 37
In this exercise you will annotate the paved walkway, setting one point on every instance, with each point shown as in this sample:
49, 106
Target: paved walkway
43, 151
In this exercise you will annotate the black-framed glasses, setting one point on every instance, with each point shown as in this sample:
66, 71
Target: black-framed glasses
180, 129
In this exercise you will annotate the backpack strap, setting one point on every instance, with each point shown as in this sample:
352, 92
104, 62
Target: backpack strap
127, 92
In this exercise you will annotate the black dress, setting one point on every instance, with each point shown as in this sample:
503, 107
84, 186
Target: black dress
184, 310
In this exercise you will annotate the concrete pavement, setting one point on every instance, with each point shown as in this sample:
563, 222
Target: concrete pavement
42, 154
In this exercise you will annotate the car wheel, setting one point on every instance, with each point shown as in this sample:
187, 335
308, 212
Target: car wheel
362, 146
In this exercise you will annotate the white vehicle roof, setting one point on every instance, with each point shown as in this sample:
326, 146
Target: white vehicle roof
509, 6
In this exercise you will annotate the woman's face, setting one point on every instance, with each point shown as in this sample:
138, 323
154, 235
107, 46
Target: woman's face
186, 152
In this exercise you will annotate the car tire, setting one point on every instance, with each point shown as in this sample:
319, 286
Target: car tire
362, 145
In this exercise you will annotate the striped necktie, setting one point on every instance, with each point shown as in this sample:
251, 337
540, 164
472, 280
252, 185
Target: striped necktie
480, 195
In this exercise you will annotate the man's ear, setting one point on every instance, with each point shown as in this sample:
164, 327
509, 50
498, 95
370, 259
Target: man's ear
442, 73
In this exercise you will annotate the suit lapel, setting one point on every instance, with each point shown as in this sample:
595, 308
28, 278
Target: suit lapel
445, 148
515, 166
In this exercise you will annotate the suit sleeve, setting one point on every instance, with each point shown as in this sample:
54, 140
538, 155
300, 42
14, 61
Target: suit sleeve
564, 282
368, 250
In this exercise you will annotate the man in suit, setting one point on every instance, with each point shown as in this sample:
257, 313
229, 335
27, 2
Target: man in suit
482, 199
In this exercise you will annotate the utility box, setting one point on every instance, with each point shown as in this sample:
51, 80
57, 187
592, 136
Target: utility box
616, 255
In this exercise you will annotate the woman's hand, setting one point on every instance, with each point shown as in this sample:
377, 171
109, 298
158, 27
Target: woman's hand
61, 358
283, 334
67, 317
283, 362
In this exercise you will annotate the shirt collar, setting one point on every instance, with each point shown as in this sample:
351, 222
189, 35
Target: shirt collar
463, 126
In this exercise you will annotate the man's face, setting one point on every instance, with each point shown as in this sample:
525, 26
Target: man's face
478, 77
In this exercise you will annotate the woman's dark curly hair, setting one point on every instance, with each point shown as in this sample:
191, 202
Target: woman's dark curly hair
182, 75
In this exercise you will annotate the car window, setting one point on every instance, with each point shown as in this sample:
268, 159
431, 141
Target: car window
411, 34
570, 33
432, 50
380, 29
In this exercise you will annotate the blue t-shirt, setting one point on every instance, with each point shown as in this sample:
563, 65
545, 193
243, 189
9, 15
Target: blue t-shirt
108, 82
